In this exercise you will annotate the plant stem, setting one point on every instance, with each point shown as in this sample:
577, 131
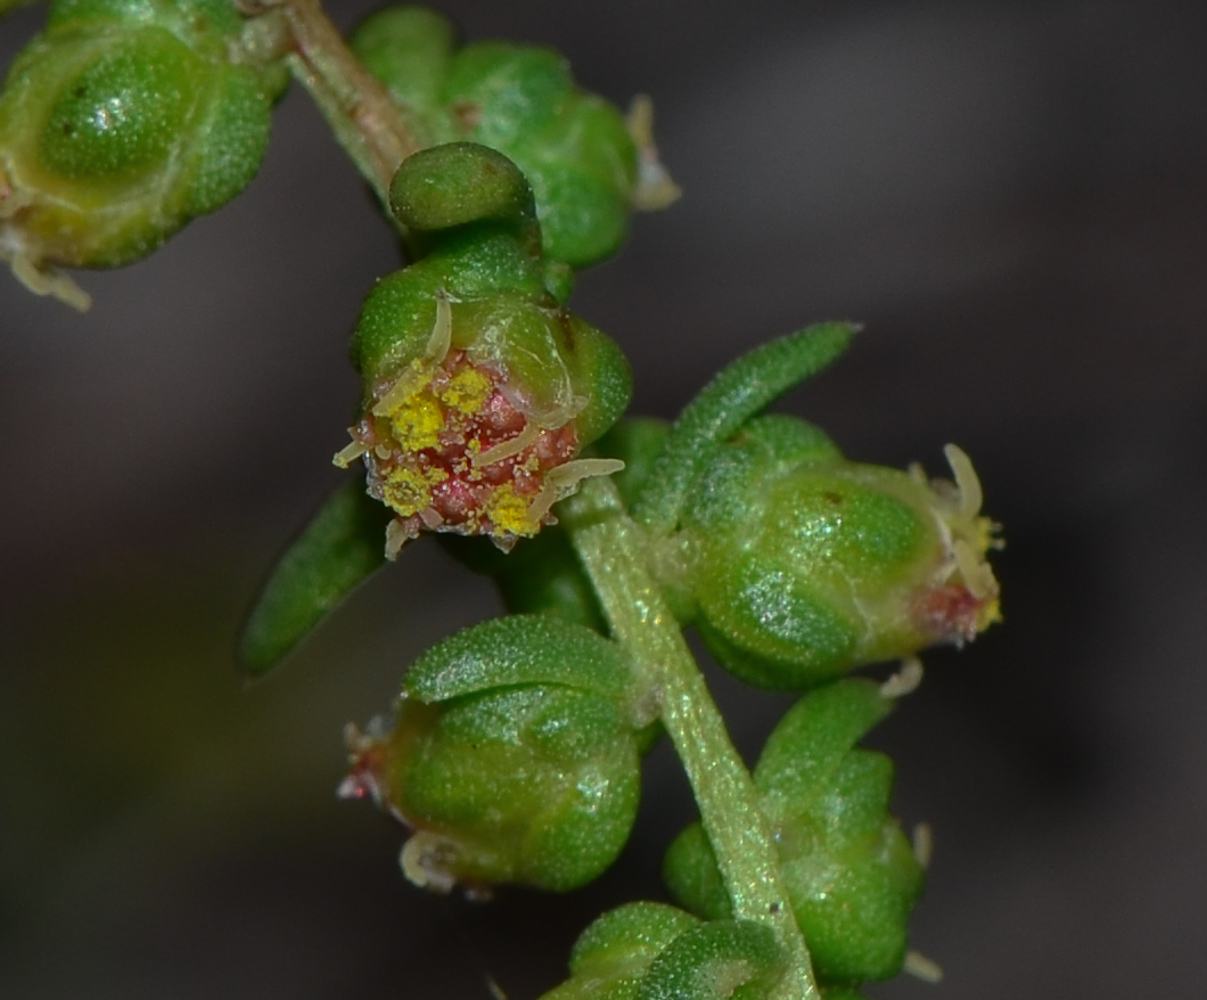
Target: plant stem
611, 545
357, 106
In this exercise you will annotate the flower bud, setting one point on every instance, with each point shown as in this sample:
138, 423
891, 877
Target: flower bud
574, 148
612, 956
850, 873
718, 960
480, 387
119, 124
648, 951
802, 565
514, 757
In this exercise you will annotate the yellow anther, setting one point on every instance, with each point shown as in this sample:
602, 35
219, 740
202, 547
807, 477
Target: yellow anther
417, 422
508, 511
467, 391
409, 491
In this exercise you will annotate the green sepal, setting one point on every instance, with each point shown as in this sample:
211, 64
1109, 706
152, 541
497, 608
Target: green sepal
766, 447
520, 649
718, 960
504, 313
199, 20
634, 933
398, 315
583, 169
851, 874
459, 183
340, 547
740, 391
689, 869
650, 951
613, 954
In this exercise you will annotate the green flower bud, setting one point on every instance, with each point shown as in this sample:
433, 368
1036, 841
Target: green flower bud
648, 951
802, 565
575, 149
851, 875
719, 960
480, 388
514, 757
119, 124
612, 956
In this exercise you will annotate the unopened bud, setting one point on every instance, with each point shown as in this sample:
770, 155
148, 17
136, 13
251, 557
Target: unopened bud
804, 565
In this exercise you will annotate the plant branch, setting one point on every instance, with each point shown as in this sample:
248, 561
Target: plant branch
610, 545
357, 106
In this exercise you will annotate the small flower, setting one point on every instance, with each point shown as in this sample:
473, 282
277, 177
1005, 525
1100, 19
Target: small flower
514, 757
798, 565
455, 443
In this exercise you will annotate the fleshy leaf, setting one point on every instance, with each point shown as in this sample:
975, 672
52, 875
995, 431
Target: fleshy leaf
736, 394
340, 547
519, 649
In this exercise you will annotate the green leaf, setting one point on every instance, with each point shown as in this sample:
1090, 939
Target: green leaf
519, 649
341, 546
736, 394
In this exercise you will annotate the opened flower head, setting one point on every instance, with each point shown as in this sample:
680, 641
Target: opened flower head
455, 443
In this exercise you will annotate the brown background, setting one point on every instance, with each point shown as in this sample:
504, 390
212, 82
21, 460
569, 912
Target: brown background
1013, 196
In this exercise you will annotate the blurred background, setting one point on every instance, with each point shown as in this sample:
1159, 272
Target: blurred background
1011, 195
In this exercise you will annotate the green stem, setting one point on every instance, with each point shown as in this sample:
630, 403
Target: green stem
357, 106
611, 547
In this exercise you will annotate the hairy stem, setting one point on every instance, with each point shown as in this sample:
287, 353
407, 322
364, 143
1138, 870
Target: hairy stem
357, 106
610, 545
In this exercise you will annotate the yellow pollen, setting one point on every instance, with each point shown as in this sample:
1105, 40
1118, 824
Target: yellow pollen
409, 491
508, 511
417, 422
466, 391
